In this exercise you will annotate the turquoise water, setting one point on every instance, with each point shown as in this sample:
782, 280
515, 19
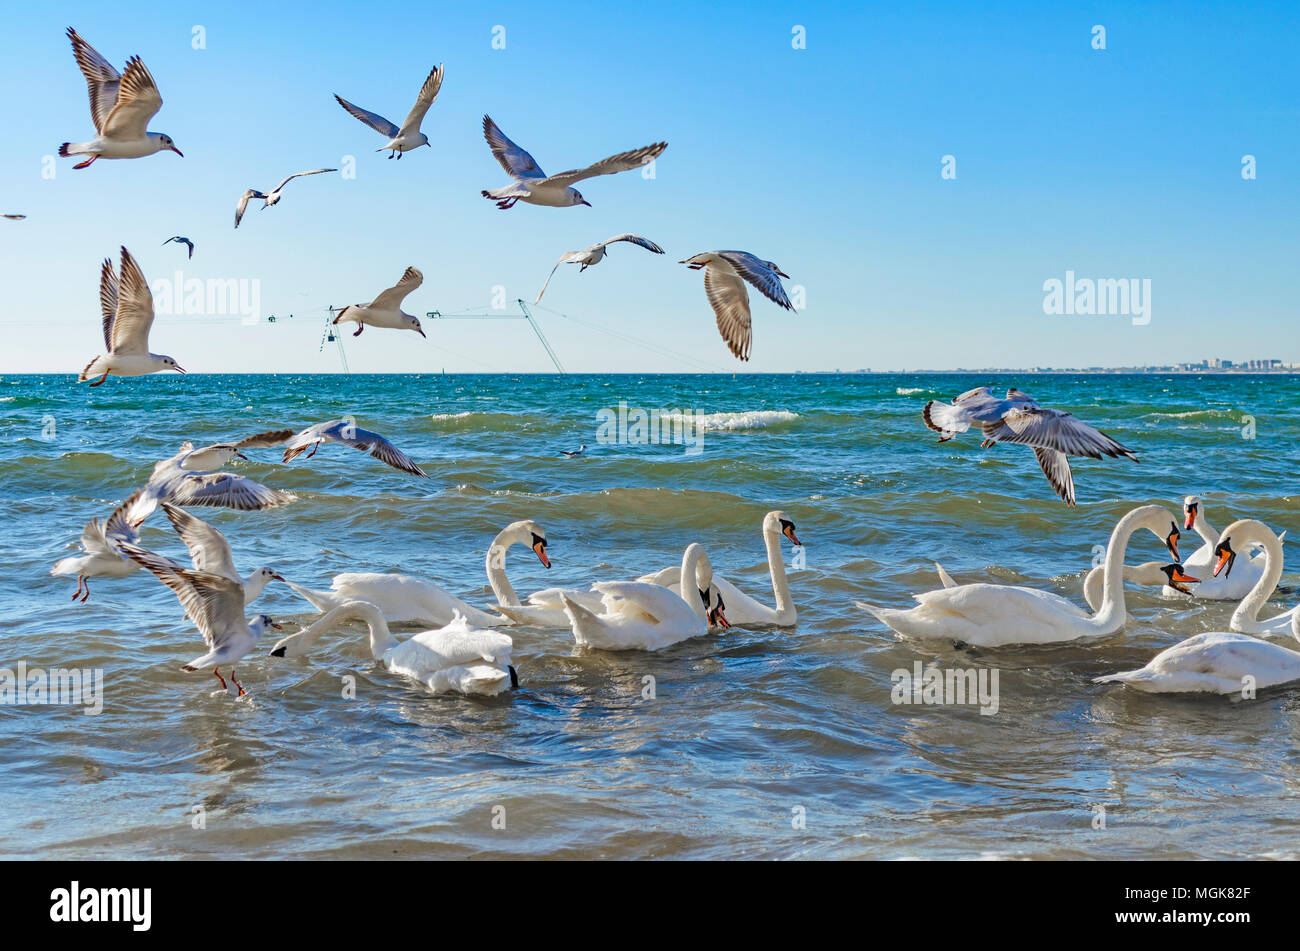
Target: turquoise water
763, 743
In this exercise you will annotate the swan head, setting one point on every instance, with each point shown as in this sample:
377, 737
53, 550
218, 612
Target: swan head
1224, 558
528, 532
778, 521
717, 617
1191, 508
1178, 579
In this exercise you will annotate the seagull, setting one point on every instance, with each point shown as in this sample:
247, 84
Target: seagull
121, 106
349, 434
127, 306
409, 135
15, 217
209, 551
215, 604
274, 196
535, 187
593, 255
1054, 435
99, 542
725, 288
574, 453
386, 309
187, 478
180, 240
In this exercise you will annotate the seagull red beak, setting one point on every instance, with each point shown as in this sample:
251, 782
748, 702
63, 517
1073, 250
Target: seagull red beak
277, 578
420, 331
177, 151
587, 203
179, 369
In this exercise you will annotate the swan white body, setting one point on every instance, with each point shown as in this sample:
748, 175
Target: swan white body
1245, 573
1217, 662
636, 615
741, 608
988, 615
542, 608
456, 657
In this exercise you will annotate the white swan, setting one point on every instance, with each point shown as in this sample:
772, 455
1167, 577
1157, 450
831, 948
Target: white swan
456, 657
542, 608
741, 608
1217, 662
406, 599
989, 615
1201, 562
1242, 535
637, 615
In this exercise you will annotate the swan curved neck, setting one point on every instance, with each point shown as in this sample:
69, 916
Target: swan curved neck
1248, 610
693, 561
381, 639
496, 568
1202, 527
1112, 596
776, 568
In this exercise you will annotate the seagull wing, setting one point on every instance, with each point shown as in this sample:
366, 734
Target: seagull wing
761, 274
622, 162
375, 121
1051, 429
730, 302
213, 602
517, 163
108, 299
314, 171
1056, 466
226, 490
349, 434
138, 101
391, 299
564, 259
208, 548
102, 80
633, 239
274, 437
243, 203
428, 93
134, 309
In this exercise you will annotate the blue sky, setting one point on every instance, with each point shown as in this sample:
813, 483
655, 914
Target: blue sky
1119, 163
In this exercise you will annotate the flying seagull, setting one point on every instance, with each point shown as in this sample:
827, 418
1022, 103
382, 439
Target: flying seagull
535, 187
725, 273
101, 558
1054, 435
349, 434
180, 240
15, 217
190, 478
127, 306
409, 135
121, 106
274, 196
386, 309
593, 255
215, 604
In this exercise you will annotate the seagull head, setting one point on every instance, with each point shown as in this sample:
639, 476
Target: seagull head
576, 198
413, 323
262, 622
697, 261
171, 364
268, 575
165, 143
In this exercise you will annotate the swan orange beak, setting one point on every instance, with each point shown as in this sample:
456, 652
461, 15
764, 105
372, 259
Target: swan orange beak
540, 548
1171, 542
1226, 557
789, 533
1180, 575
1191, 517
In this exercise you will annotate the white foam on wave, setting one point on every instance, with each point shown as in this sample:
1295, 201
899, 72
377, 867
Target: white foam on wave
750, 419
910, 390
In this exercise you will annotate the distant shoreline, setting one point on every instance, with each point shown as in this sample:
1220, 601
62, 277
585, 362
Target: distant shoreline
1036, 371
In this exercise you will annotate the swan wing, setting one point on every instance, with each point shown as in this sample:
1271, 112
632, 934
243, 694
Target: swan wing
638, 599
1215, 662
